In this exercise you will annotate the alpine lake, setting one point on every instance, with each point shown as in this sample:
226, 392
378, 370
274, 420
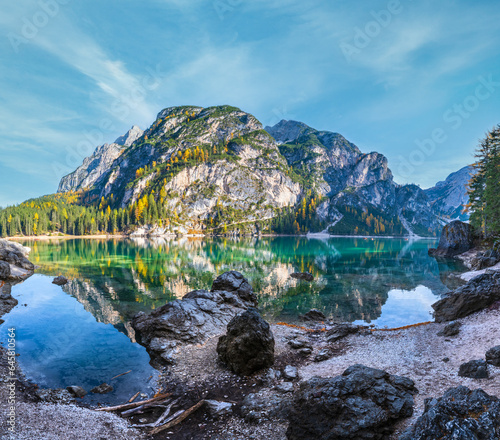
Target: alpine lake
80, 333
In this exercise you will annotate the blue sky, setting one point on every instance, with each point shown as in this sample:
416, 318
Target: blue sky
416, 81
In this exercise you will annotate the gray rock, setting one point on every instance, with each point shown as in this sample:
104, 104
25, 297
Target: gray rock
459, 414
306, 351
322, 355
60, 280
4, 270
451, 329
102, 389
248, 345
362, 404
480, 292
486, 259
218, 409
59, 395
77, 391
493, 356
456, 238
7, 301
14, 264
290, 373
285, 387
261, 406
198, 316
340, 331
297, 343
313, 315
305, 276
477, 369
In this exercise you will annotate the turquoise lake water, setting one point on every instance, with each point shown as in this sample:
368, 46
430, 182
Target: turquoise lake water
79, 334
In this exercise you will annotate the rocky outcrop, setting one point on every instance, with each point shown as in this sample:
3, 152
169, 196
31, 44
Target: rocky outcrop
487, 258
248, 345
456, 238
449, 197
459, 414
200, 314
362, 404
477, 294
14, 263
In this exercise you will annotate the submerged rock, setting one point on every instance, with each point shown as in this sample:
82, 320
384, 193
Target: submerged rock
313, 315
102, 389
477, 369
76, 391
200, 314
480, 292
60, 280
456, 238
248, 345
459, 414
306, 276
362, 404
493, 356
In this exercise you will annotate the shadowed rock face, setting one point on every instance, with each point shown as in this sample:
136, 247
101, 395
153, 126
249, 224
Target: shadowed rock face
477, 294
456, 239
459, 414
362, 404
200, 315
248, 345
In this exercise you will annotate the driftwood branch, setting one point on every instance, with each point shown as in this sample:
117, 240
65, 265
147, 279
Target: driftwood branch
177, 418
134, 397
134, 404
122, 374
146, 407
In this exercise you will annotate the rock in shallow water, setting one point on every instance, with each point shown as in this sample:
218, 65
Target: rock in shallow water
77, 391
60, 280
102, 389
461, 414
248, 345
456, 238
198, 316
362, 404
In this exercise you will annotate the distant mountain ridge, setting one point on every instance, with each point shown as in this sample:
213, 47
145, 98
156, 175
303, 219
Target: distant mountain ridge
217, 167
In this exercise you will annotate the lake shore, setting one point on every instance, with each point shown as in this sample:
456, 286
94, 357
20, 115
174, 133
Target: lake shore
416, 352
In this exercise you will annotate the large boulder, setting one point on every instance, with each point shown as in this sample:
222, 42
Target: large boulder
199, 315
362, 404
248, 345
459, 415
456, 238
14, 264
476, 369
480, 292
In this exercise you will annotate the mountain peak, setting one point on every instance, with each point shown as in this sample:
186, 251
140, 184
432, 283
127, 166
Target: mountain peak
287, 131
130, 137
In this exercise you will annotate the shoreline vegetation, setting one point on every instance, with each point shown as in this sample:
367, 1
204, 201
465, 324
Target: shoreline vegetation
152, 237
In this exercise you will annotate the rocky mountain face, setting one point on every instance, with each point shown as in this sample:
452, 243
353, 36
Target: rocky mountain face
217, 165
449, 197
345, 176
97, 165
